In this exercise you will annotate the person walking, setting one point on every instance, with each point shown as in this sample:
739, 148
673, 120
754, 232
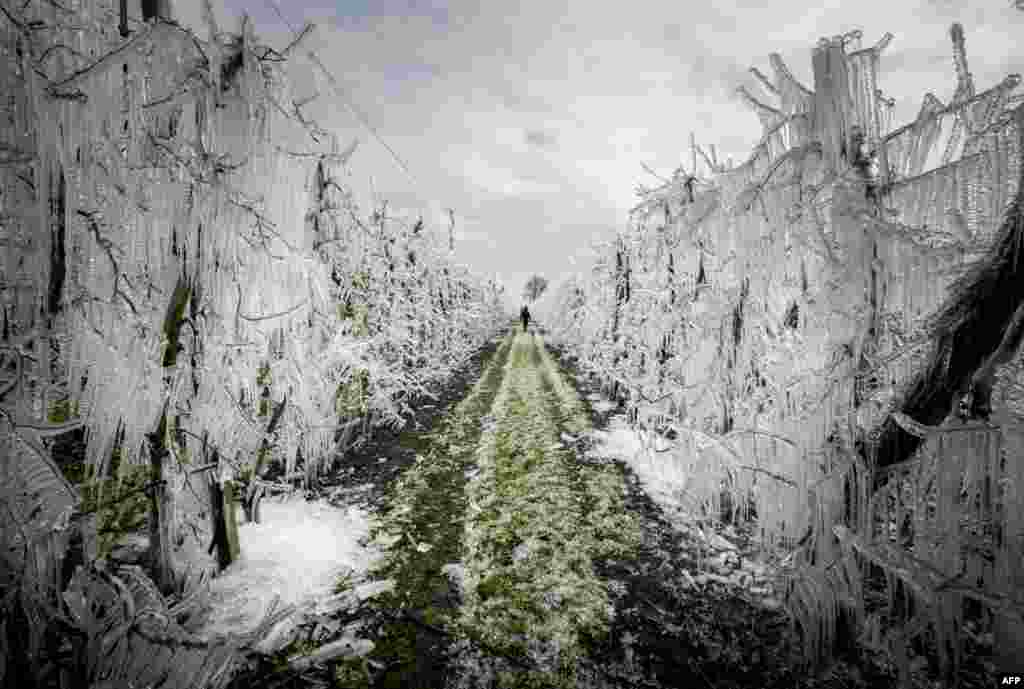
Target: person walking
524, 315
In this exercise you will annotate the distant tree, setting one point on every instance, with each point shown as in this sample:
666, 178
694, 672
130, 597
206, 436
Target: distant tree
534, 287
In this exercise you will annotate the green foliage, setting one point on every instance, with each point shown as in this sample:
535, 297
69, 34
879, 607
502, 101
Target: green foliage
352, 398
263, 374
177, 441
263, 455
62, 411
358, 314
121, 504
360, 321
298, 647
493, 585
344, 583
351, 672
361, 280
77, 472
115, 461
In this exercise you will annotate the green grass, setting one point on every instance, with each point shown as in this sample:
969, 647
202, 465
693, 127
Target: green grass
542, 602
423, 522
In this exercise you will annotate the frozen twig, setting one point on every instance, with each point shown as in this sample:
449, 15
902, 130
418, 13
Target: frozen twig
270, 316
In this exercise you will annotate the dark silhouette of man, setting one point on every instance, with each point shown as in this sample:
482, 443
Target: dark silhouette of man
524, 315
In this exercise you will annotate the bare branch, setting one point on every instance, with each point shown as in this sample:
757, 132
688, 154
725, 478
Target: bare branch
241, 411
14, 20
778, 477
306, 31
768, 85
18, 372
104, 59
59, 46
754, 431
108, 248
274, 315
9, 155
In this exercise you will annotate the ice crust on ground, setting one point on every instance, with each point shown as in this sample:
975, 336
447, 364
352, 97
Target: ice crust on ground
298, 553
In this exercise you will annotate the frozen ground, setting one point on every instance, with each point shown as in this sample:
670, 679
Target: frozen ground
658, 477
297, 554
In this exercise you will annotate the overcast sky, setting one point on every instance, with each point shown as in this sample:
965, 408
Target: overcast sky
532, 118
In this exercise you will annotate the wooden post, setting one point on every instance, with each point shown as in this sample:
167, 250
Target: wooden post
222, 519
231, 519
220, 539
123, 25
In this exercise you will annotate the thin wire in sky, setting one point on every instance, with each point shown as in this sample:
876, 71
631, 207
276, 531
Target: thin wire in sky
362, 119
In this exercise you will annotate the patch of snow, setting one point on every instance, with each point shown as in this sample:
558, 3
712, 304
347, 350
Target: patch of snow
456, 573
666, 484
716, 541
659, 478
520, 552
373, 588
725, 562
688, 580
298, 553
755, 568
552, 600
343, 494
730, 580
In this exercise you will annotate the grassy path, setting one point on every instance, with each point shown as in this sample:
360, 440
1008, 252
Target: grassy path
537, 521
422, 530
492, 538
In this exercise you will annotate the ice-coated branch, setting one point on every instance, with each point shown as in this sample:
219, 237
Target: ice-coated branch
108, 249
10, 155
151, 31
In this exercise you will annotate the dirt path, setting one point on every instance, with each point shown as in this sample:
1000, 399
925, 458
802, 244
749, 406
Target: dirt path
516, 555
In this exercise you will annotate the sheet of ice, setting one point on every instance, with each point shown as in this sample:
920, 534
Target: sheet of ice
297, 552
660, 478
665, 482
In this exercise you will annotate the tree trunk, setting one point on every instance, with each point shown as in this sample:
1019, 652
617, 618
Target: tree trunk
1009, 631
1009, 644
160, 511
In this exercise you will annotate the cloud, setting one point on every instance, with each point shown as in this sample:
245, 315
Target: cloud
540, 138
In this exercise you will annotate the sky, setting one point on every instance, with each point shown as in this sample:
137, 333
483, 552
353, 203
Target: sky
533, 119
